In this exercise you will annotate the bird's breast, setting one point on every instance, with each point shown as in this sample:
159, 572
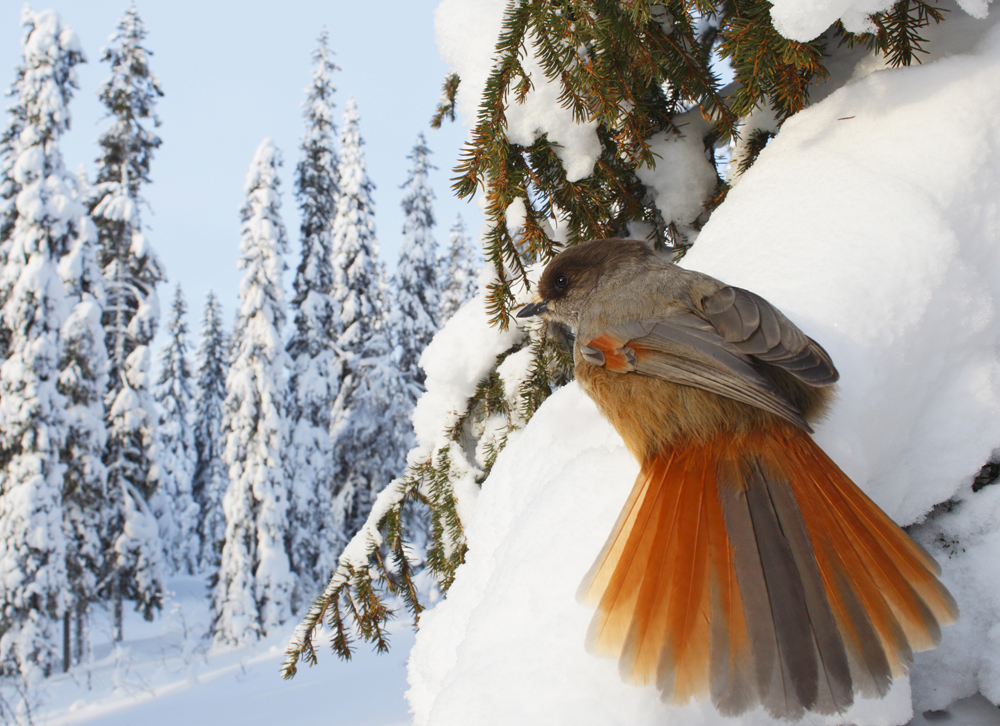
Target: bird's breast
652, 414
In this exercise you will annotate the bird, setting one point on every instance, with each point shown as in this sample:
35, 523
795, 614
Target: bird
745, 566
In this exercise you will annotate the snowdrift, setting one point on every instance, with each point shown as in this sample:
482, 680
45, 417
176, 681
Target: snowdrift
873, 222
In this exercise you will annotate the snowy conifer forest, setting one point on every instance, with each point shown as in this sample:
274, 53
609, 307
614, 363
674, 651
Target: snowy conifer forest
373, 478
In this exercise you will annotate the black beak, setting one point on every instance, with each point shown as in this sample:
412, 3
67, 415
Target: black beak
532, 309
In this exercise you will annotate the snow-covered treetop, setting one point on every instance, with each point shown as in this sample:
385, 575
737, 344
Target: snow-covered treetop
210, 479
45, 192
129, 262
419, 196
174, 385
318, 113
316, 174
418, 200
212, 355
317, 191
51, 49
415, 319
42, 90
130, 95
263, 244
355, 246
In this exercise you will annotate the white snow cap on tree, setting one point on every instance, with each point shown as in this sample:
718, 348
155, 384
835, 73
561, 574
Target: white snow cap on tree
254, 590
35, 588
806, 20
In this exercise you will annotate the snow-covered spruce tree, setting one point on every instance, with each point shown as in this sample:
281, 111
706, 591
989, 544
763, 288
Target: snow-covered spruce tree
83, 381
416, 293
253, 594
461, 272
627, 152
131, 272
357, 287
211, 478
313, 382
354, 245
173, 504
35, 587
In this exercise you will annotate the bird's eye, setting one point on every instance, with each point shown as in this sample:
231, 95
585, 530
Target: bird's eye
561, 282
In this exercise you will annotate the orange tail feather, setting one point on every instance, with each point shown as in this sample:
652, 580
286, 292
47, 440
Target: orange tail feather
752, 569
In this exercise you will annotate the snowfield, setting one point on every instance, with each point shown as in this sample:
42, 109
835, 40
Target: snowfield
166, 673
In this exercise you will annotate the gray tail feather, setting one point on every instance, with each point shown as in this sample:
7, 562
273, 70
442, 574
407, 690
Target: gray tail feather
800, 660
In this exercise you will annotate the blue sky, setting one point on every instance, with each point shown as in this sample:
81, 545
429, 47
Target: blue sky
236, 72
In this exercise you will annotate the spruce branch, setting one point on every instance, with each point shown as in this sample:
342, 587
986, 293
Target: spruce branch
897, 33
771, 70
613, 64
446, 104
759, 138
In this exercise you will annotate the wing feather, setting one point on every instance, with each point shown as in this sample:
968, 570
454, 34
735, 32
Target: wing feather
756, 328
727, 354
685, 349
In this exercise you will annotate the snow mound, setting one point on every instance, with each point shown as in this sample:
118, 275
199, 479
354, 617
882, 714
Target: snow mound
873, 222
805, 20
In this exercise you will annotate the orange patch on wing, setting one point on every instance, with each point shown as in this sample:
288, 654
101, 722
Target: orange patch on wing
614, 353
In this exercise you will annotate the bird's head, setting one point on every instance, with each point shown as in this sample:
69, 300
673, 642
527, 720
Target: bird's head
576, 275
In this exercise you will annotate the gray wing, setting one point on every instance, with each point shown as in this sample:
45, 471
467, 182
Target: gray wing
685, 349
723, 353
758, 329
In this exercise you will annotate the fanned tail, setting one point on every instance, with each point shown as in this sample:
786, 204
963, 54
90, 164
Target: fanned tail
750, 569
